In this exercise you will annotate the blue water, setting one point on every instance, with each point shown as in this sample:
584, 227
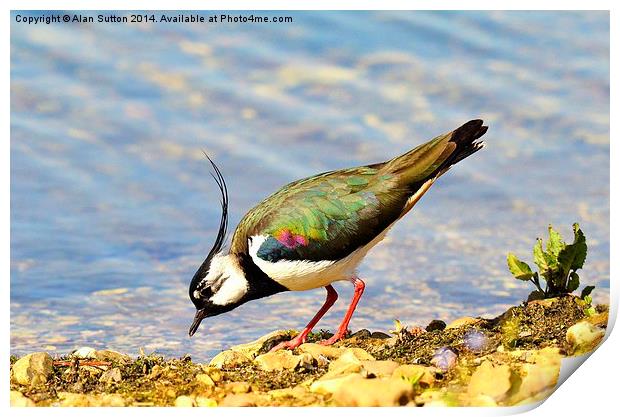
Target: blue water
112, 207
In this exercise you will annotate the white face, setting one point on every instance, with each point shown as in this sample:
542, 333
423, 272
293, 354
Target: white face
226, 280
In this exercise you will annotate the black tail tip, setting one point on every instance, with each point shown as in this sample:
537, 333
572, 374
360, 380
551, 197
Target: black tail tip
469, 132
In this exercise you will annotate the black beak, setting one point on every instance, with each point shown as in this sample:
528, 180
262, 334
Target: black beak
200, 314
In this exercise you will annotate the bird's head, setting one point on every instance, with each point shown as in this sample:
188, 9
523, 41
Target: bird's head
219, 285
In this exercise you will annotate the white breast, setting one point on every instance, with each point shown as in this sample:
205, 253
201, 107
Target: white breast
307, 275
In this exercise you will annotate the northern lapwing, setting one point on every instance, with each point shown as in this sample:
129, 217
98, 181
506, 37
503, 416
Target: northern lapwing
317, 230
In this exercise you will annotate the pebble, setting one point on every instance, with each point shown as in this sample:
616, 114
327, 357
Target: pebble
238, 387
184, 401
582, 337
444, 359
331, 385
111, 376
436, 325
362, 334
379, 368
424, 375
202, 401
205, 380
251, 349
277, 361
345, 364
294, 392
317, 351
374, 392
33, 369
538, 377
20, 400
491, 380
462, 321
228, 358
69, 399
84, 353
239, 400
360, 354
107, 355
481, 401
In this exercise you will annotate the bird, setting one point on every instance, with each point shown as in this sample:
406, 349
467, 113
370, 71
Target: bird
317, 230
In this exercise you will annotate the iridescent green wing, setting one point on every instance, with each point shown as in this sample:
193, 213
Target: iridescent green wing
325, 217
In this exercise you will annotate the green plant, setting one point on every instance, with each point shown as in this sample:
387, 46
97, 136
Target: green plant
557, 265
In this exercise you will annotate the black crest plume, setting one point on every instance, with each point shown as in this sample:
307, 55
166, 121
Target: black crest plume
221, 234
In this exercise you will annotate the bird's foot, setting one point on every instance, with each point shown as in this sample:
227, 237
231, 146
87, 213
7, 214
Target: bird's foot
290, 344
335, 338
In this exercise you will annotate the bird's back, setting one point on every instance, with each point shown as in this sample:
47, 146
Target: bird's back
328, 216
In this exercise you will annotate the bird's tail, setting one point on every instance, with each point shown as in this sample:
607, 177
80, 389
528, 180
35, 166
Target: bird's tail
433, 158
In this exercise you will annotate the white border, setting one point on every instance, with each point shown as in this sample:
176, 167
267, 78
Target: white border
593, 388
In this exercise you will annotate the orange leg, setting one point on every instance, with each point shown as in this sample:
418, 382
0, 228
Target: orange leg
331, 298
344, 326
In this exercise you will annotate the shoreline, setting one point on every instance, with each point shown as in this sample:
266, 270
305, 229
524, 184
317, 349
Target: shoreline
512, 359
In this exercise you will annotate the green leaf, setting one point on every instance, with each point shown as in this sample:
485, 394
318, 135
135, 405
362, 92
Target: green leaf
586, 292
580, 247
555, 242
539, 257
573, 256
573, 282
588, 299
536, 295
519, 269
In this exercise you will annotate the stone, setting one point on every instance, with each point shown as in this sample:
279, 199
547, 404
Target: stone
331, 385
481, 401
599, 320
202, 401
251, 349
317, 350
294, 392
277, 361
84, 353
444, 359
33, 369
491, 380
583, 337
94, 371
239, 400
20, 400
306, 361
238, 387
379, 368
462, 321
380, 335
360, 354
112, 400
540, 377
184, 401
345, 364
376, 392
214, 373
361, 334
436, 325
205, 380
107, 355
69, 399
424, 375
229, 358
111, 376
